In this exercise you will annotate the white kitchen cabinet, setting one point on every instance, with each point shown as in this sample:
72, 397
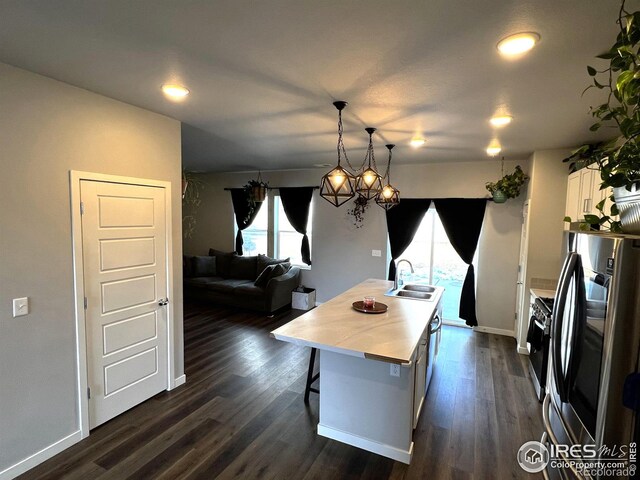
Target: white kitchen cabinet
583, 194
420, 382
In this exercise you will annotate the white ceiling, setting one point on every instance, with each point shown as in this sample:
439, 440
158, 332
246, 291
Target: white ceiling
263, 74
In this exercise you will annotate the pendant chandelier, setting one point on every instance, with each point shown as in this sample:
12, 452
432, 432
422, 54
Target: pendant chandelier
369, 182
337, 185
389, 196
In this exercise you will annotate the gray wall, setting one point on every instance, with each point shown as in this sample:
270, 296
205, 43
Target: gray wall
341, 253
48, 128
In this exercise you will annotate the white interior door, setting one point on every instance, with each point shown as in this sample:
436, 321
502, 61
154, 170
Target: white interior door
124, 238
522, 299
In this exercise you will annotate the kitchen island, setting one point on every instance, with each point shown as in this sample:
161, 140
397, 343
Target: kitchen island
362, 401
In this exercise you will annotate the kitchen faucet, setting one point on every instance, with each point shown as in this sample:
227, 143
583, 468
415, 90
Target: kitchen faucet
395, 282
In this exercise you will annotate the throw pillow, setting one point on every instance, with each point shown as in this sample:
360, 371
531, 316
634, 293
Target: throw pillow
264, 261
270, 271
187, 266
244, 268
203, 266
223, 261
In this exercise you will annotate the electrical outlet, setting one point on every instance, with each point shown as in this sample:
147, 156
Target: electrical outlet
20, 306
376, 253
395, 370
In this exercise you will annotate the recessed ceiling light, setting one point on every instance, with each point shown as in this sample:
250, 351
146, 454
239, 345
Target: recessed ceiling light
494, 148
501, 120
175, 91
417, 142
517, 44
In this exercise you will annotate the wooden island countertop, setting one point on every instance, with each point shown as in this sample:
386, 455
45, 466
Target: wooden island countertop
391, 337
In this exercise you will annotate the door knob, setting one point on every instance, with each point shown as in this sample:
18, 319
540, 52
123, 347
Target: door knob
163, 302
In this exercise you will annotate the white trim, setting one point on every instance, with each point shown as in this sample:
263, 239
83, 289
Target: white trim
37, 458
523, 350
181, 380
388, 451
75, 177
496, 331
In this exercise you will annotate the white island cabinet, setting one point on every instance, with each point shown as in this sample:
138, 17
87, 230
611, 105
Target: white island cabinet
362, 402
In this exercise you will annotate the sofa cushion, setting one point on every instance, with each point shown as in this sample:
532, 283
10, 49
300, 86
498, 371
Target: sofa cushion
187, 266
264, 261
201, 282
223, 261
249, 289
226, 285
268, 273
203, 266
243, 267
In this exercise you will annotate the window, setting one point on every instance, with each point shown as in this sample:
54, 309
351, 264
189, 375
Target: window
272, 234
436, 262
256, 236
288, 241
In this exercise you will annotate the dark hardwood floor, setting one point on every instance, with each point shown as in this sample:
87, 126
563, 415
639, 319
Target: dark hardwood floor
241, 414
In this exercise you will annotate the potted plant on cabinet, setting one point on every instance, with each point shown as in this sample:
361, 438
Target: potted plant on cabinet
508, 186
619, 158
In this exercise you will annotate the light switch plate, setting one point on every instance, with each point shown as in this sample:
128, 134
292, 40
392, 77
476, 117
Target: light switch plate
376, 253
394, 370
20, 306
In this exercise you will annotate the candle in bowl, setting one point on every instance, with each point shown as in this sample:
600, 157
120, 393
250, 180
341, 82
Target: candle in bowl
369, 302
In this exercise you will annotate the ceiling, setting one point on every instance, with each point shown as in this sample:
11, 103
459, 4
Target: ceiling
263, 74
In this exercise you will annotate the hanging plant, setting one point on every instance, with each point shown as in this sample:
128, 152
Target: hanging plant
191, 188
256, 191
508, 186
360, 205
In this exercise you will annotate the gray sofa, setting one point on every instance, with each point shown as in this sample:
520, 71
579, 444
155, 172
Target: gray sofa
255, 282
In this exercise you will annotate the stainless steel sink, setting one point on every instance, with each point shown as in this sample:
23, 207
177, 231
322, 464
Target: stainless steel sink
414, 292
419, 288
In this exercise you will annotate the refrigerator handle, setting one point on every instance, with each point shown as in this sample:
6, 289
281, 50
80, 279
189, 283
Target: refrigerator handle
580, 322
556, 324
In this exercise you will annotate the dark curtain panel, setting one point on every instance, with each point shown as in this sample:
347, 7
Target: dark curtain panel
403, 221
296, 202
462, 219
240, 200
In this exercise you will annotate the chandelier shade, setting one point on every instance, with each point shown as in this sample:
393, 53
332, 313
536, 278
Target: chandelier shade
369, 182
336, 186
389, 196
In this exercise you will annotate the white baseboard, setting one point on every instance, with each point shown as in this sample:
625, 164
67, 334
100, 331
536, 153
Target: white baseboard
39, 457
366, 444
523, 350
497, 331
181, 380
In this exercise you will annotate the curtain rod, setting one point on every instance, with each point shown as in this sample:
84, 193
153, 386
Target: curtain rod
274, 188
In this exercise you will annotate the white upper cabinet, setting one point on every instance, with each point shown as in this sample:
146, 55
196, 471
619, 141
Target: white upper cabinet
583, 194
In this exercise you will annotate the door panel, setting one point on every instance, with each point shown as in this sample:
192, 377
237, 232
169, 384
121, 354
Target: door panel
125, 274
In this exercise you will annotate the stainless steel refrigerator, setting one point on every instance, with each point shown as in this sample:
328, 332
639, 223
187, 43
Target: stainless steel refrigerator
593, 379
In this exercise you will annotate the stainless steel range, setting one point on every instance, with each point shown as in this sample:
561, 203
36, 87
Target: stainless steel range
538, 342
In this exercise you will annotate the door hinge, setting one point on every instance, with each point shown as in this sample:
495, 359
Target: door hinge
515, 315
85, 303
81, 208
89, 392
